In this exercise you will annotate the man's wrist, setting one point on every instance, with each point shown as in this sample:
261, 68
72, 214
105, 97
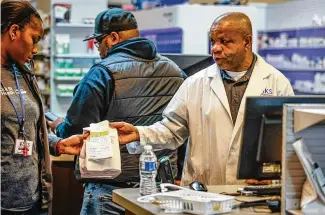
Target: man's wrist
59, 148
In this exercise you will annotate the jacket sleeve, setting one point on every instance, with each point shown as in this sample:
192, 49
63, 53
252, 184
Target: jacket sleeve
89, 104
172, 131
53, 141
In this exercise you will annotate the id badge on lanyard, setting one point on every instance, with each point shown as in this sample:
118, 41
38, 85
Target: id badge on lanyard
22, 146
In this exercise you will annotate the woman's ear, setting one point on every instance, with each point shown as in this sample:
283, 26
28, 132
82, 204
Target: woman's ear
14, 32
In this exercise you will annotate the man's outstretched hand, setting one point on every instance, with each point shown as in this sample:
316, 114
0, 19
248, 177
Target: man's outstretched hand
127, 133
72, 145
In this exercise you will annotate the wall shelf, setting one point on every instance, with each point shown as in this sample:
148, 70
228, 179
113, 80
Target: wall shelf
308, 93
67, 78
309, 54
293, 48
76, 56
74, 25
314, 51
297, 32
65, 95
300, 69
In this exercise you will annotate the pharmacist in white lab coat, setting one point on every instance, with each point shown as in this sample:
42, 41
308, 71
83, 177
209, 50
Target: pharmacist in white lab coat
209, 106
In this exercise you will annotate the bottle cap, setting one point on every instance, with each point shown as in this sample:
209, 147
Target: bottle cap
147, 147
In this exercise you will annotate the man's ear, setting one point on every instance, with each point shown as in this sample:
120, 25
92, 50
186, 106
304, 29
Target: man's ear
115, 38
248, 42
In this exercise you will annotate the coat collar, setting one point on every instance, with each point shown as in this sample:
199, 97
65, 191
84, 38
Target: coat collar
217, 86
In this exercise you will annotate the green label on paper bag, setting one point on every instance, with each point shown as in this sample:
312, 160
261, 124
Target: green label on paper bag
98, 134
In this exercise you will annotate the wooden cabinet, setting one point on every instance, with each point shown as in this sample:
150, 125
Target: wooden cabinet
67, 191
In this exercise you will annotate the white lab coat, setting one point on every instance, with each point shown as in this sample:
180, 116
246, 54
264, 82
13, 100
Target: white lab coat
200, 109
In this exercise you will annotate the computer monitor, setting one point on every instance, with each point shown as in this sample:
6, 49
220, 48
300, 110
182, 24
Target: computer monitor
191, 64
261, 148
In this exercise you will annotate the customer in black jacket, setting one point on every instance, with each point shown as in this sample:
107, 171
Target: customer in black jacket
131, 83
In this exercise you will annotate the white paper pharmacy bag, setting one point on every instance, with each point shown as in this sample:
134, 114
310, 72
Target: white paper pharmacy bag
100, 155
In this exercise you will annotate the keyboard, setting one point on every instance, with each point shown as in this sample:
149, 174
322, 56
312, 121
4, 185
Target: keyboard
261, 190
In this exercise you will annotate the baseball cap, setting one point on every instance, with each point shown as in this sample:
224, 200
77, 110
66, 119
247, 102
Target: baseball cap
114, 19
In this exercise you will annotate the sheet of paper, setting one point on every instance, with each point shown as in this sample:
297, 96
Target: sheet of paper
99, 145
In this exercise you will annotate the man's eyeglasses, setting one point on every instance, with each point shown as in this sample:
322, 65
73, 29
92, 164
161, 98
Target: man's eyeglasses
99, 40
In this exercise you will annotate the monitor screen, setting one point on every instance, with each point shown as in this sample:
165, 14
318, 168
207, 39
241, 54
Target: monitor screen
261, 147
191, 64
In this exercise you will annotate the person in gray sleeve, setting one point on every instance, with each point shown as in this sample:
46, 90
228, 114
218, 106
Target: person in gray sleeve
26, 180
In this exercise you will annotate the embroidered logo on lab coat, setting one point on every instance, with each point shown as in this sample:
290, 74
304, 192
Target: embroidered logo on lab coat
267, 91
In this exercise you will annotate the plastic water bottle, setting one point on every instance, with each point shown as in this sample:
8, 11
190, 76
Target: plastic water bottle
148, 171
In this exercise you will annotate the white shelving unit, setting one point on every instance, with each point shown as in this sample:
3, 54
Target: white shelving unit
194, 38
306, 78
292, 48
67, 78
300, 69
65, 95
74, 25
78, 54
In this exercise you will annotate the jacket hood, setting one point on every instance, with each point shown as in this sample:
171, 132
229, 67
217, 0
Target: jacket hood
139, 47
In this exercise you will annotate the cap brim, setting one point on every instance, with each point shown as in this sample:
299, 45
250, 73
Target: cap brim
93, 36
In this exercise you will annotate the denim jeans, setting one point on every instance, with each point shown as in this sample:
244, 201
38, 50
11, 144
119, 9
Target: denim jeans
98, 200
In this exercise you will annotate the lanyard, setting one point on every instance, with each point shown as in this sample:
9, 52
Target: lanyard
21, 120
